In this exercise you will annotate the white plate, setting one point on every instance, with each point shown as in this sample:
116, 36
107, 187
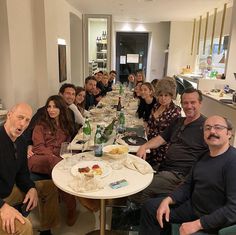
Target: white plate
106, 170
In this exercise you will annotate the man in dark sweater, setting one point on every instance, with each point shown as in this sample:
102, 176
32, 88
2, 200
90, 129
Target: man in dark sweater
15, 184
187, 145
90, 86
206, 201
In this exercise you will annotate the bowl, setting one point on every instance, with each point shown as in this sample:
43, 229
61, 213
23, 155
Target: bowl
116, 151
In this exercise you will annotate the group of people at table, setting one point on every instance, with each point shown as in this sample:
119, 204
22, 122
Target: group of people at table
192, 156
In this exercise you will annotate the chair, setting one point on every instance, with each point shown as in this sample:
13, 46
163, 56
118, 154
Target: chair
231, 230
38, 176
180, 86
187, 84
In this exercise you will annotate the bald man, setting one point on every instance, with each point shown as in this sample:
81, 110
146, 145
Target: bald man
206, 201
15, 183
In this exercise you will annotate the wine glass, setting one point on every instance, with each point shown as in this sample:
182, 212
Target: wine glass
66, 153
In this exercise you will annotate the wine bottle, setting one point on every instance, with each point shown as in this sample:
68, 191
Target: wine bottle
121, 123
118, 108
109, 129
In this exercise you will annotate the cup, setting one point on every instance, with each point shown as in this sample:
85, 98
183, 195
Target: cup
66, 153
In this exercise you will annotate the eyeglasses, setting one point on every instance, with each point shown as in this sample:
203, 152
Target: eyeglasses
216, 127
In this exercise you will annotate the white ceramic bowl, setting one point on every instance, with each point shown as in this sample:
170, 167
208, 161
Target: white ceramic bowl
116, 151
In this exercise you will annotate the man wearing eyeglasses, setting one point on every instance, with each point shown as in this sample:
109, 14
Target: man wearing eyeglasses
206, 201
16, 187
186, 146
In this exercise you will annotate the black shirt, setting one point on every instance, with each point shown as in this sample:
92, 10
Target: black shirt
211, 187
13, 165
144, 109
187, 145
89, 100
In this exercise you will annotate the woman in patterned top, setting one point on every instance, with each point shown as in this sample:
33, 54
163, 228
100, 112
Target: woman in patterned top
163, 113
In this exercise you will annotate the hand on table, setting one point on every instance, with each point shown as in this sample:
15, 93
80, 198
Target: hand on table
142, 152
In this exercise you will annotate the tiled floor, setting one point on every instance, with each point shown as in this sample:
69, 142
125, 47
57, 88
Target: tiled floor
86, 222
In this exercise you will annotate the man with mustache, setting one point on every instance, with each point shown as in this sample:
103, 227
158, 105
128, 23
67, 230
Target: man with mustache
187, 145
206, 201
16, 187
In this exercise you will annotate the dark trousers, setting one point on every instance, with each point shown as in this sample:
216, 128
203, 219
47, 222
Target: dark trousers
178, 214
163, 183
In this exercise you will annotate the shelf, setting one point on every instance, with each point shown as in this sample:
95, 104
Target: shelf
101, 60
101, 42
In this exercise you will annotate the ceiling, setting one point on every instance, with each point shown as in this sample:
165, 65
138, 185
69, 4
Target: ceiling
144, 11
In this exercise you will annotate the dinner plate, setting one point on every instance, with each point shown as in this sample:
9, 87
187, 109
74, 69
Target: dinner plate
134, 140
106, 170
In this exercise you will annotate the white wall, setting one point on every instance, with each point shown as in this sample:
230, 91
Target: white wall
158, 41
29, 70
181, 41
231, 65
76, 50
6, 87
180, 47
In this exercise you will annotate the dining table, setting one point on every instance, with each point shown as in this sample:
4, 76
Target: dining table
115, 181
104, 113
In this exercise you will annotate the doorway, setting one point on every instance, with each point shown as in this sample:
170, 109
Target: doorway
131, 54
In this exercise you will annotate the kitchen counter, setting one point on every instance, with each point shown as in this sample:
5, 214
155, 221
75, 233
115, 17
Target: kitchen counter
203, 84
211, 105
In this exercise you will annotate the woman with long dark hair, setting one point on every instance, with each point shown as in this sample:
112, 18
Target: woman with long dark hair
53, 128
80, 99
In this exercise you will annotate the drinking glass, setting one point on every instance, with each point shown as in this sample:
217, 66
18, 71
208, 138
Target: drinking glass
66, 153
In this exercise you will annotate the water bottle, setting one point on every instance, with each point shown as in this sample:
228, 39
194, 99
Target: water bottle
121, 123
98, 142
87, 129
121, 91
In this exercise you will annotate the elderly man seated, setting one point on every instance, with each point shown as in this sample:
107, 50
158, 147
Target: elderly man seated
16, 187
206, 202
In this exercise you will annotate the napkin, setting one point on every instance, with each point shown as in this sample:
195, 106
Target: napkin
88, 145
136, 165
120, 141
85, 183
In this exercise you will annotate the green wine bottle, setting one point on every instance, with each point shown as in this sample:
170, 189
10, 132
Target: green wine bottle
109, 129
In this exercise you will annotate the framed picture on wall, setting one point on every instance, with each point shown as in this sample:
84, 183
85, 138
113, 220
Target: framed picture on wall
62, 63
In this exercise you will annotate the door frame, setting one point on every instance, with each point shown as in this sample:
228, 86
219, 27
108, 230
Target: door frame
85, 40
118, 34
